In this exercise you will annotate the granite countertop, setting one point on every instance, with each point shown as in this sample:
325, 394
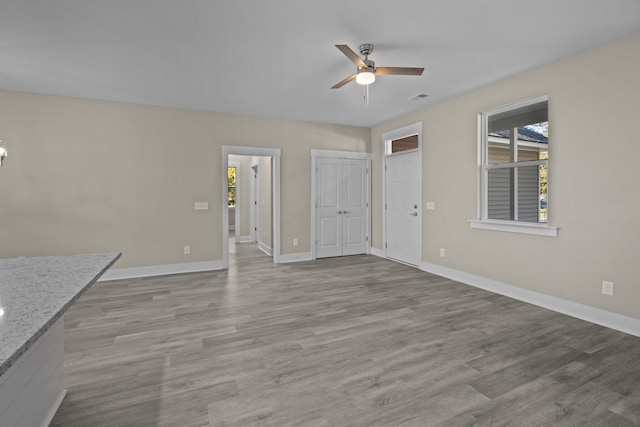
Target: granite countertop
37, 291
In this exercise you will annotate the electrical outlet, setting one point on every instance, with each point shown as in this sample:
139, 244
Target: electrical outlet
187, 250
442, 252
295, 242
430, 206
607, 288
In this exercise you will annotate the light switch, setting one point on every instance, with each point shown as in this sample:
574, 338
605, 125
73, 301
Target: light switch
201, 206
431, 206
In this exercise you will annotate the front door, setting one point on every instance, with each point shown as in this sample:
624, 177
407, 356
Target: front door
402, 186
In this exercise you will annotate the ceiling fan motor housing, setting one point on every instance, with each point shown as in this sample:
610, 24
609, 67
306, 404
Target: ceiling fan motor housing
366, 49
370, 66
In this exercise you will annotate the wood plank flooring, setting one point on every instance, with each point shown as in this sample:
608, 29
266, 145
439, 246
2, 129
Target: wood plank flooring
353, 341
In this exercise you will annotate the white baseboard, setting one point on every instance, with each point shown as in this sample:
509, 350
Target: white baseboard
377, 252
620, 322
609, 319
244, 239
160, 270
264, 248
297, 257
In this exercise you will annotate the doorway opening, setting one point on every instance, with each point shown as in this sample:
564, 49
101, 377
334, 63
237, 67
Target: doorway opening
255, 216
250, 201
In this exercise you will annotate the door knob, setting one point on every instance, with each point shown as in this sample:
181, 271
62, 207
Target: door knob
340, 212
414, 214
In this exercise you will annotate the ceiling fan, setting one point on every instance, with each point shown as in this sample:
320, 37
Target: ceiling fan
367, 71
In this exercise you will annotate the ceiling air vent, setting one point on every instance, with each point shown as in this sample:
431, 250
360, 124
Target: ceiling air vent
418, 97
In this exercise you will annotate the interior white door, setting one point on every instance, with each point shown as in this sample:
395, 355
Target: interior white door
402, 186
341, 207
354, 207
328, 208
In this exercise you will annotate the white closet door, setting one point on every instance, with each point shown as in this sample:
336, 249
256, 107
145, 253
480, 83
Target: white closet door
354, 207
328, 208
341, 207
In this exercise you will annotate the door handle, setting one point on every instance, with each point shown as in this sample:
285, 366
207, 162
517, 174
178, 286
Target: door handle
340, 212
345, 212
414, 214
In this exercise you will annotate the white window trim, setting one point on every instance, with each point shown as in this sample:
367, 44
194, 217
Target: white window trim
482, 221
514, 227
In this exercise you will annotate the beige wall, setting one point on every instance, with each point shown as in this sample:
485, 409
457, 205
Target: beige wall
594, 106
88, 176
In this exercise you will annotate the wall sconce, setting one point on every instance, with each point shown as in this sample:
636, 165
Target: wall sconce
3, 153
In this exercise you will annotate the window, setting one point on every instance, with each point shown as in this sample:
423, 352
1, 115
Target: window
404, 144
231, 186
515, 161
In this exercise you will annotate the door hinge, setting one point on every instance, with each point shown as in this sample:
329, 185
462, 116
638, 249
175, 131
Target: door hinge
367, 239
385, 206
385, 245
367, 204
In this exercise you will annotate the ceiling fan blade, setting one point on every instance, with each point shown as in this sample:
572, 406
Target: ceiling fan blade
351, 55
344, 82
399, 71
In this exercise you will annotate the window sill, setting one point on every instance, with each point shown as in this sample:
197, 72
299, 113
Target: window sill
515, 227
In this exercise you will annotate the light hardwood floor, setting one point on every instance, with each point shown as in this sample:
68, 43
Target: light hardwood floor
353, 341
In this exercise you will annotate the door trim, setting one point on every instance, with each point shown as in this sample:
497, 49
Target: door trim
315, 154
254, 215
274, 153
387, 137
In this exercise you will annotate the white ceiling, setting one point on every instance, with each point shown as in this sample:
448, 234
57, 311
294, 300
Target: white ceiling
277, 58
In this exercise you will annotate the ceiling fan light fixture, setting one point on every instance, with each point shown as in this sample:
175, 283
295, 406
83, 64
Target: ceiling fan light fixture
365, 77
366, 69
3, 155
